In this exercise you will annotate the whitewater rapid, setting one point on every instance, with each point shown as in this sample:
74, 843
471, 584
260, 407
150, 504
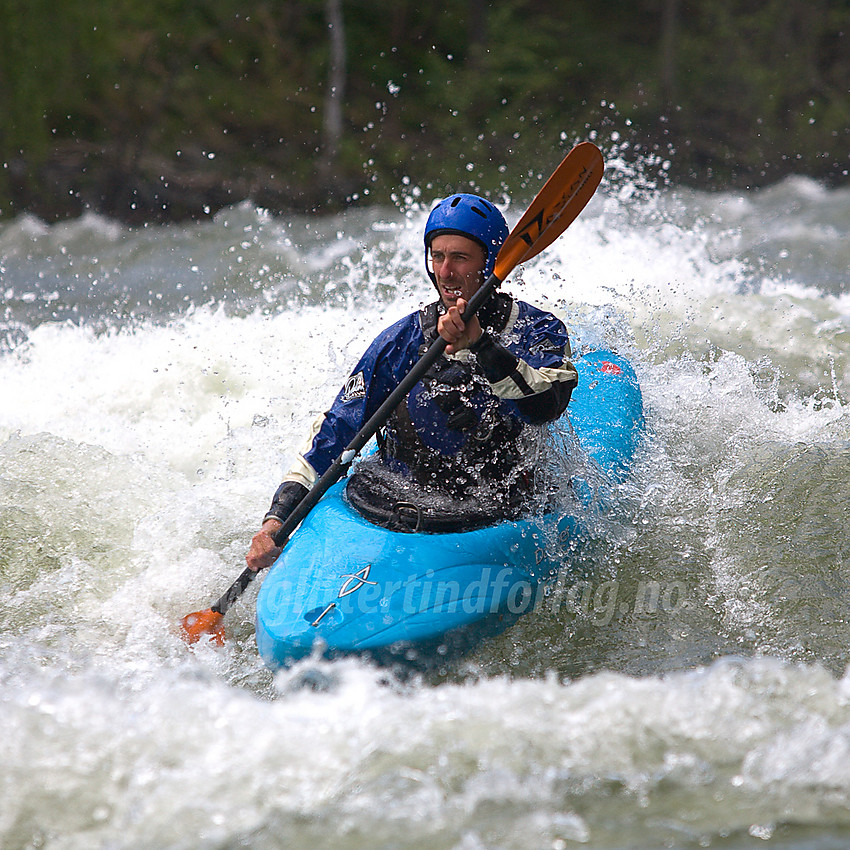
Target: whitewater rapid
154, 383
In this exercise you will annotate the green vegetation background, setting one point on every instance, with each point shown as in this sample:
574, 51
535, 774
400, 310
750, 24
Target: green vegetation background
164, 109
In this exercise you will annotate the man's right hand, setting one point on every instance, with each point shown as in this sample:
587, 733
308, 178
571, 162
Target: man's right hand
263, 551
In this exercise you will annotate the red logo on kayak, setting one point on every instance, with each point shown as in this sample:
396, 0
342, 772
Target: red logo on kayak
610, 368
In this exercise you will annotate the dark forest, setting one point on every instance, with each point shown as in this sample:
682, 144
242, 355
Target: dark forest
171, 109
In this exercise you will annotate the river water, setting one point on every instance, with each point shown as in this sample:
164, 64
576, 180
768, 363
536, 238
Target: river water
689, 692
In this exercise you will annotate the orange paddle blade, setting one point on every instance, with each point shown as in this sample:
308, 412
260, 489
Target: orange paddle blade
202, 624
564, 195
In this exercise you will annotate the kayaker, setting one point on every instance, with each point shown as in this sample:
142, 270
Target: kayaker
464, 428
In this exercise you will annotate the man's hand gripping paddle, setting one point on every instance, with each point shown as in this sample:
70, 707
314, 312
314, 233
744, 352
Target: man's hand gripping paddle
556, 206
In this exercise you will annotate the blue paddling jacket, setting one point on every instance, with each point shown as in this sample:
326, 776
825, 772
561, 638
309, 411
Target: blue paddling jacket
462, 425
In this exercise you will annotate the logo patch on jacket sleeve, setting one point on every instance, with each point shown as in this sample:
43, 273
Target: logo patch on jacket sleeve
355, 387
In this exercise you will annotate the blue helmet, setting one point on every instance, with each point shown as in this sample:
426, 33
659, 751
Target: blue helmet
470, 216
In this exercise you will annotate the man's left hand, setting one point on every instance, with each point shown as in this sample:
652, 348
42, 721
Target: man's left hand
452, 329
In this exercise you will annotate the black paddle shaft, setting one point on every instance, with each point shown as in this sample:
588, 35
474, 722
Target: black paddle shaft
340, 466
555, 206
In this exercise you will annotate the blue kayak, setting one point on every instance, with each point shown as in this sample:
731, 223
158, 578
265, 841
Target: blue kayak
345, 585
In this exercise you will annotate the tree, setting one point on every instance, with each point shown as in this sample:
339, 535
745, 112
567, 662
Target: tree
335, 92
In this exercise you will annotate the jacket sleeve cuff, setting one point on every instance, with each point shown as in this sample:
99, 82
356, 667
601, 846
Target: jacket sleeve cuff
496, 362
287, 497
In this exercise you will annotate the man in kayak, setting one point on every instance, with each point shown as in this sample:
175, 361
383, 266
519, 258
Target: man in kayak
463, 429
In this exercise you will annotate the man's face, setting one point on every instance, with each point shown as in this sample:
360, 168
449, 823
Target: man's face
458, 264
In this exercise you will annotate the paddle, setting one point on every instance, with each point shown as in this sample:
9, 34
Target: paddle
556, 206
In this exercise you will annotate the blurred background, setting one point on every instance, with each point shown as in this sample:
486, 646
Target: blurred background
164, 110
